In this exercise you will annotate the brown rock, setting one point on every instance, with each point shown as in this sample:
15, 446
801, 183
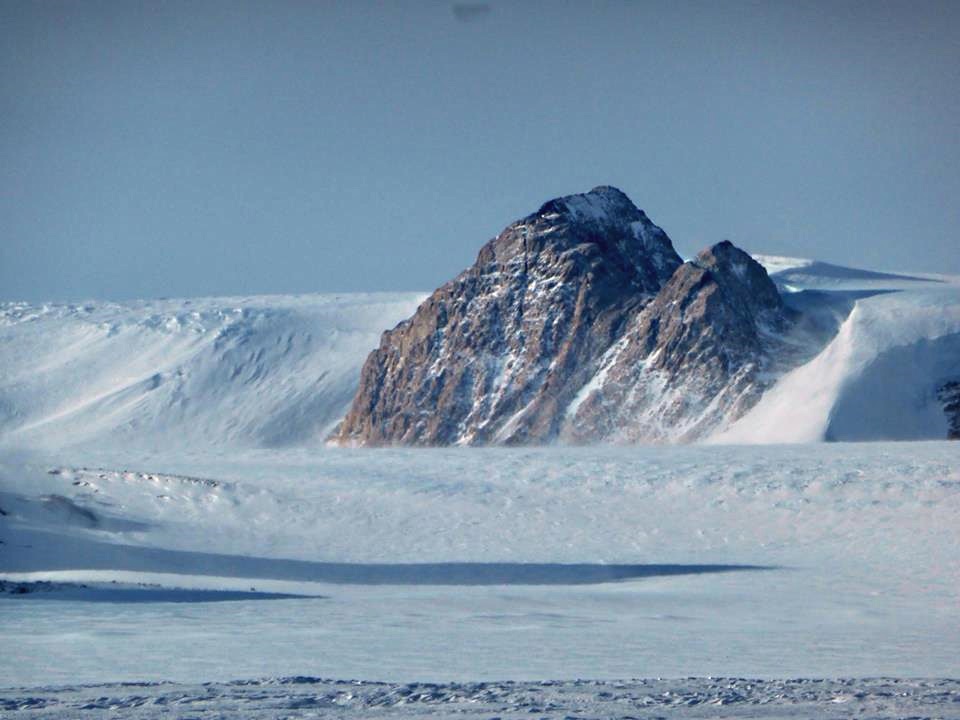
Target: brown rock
495, 355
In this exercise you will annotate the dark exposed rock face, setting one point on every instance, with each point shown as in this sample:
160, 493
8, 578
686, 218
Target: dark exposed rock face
949, 395
490, 355
692, 358
580, 322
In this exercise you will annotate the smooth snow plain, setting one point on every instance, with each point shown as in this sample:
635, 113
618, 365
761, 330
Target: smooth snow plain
856, 546
163, 467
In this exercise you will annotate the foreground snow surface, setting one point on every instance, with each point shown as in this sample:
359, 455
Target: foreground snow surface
423, 561
300, 697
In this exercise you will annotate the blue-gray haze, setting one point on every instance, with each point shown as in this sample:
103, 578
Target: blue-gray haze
198, 148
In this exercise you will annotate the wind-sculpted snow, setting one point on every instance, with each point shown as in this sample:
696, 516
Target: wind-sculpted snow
878, 379
119, 592
304, 697
262, 371
543, 563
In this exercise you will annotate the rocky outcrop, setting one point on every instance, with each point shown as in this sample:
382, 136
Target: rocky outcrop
494, 355
949, 396
694, 357
579, 322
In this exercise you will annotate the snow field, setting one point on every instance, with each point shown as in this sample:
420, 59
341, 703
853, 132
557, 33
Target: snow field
859, 538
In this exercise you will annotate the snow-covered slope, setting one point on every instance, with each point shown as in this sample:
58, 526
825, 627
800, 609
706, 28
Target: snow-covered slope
879, 378
257, 371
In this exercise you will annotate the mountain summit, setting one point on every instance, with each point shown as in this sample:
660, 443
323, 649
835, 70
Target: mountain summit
552, 331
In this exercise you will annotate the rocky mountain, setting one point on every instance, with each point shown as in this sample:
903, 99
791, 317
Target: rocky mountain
580, 322
577, 324
496, 355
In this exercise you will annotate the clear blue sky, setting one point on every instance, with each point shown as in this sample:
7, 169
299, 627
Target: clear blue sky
204, 148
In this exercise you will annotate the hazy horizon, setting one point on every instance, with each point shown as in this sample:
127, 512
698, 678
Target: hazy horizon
236, 148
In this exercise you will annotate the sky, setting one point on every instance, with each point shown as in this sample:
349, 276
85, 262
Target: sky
170, 149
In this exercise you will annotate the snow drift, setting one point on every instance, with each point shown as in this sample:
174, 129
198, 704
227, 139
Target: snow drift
259, 371
878, 379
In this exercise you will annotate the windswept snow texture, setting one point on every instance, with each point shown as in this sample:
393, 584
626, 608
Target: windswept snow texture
310, 697
261, 371
880, 377
856, 546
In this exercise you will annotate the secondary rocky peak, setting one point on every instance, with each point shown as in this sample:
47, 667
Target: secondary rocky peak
741, 277
722, 303
693, 357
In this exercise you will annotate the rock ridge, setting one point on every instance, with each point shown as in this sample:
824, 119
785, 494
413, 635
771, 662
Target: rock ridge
578, 322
